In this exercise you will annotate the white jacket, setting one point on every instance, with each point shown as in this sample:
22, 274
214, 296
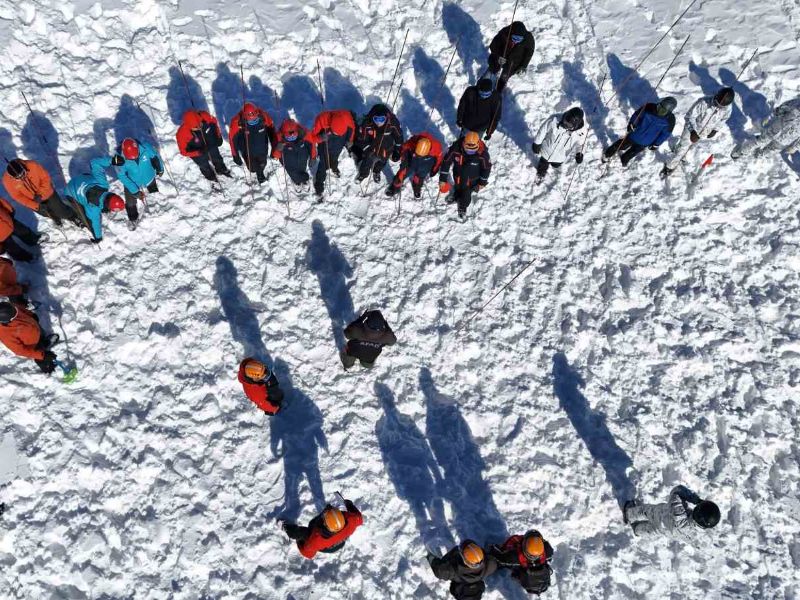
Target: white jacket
703, 117
557, 143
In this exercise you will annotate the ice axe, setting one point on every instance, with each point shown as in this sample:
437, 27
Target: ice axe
70, 373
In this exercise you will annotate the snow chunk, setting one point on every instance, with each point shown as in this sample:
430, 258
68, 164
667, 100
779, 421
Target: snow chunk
27, 13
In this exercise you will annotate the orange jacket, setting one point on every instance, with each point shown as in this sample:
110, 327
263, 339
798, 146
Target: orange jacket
22, 334
36, 182
8, 279
338, 122
6, 220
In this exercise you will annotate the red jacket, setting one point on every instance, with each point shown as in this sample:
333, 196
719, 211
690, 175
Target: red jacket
8, 279
236, 126
6, 220
257, 391
407, 149
302, 139
513, 546
319, 539
193, 119
338, 122
22, 335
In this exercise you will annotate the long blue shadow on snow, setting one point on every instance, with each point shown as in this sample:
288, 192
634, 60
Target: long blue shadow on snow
131, 121
301, 95
429, 74
340, 93
710, 86
464, 32
296, 432
40, 143
636, 91
591, 428
82, 157
226, 96
414, 117
754, 105
327, 262
475, 514
178, 100
263, 96
8, 151
513, 124
577, 87
412, 468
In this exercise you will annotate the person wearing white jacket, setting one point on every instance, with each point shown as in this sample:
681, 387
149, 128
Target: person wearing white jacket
703, 121
676, 518
556, 141
782, 132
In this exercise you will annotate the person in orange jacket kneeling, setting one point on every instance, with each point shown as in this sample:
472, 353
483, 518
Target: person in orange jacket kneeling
9, 286
20, 332
327, 532
260, 385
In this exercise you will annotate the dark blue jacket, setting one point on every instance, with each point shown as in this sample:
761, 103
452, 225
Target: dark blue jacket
647, 128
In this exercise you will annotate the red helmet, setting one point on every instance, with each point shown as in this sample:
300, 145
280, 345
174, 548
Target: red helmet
291, 130
250, 111
115, 203
130, 148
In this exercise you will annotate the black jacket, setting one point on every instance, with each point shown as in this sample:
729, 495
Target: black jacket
519, 55
466, 583
253, 140
364, 343
382, 141
477, 114
469, 170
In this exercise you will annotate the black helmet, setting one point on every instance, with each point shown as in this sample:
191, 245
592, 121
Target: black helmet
572, 120
16, 168
375, 321
706, 514
667, 105
518, 28
7, 312
485, 85
724, 97
380, 110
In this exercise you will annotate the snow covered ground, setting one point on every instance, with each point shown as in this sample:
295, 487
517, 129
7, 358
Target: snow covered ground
654, 340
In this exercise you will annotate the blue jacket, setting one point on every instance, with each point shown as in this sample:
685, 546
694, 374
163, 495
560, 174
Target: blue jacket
139, 173
91, 191
647, 128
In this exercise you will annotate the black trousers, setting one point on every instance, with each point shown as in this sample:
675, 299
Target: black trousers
298, 177
626, 149
130, 201
329, 153
55, 209
296, 532
14, 249
370, 162
209, 159
543, 166
463, 198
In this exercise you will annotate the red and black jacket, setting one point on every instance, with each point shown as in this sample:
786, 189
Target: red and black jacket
469, 170
251, 140
198, 131
320, 539
295, 155
266, 395
339, 123
420, 167
381, 141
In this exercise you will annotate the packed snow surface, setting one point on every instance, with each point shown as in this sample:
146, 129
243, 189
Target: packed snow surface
653, 341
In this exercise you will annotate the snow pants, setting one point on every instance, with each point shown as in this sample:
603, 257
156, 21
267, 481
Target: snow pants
298, 177
348, 360
769, 141
130, 201
55, 209
205, 162
328, 152
25, 235
370, 163
646, 519
626, 149
467, 591
462, 196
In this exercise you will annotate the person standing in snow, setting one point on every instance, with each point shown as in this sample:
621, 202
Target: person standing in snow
420, 158
379, 138
703, 120
781, 134
683, 516
650, 126
466, 567
528, 556
10, 288
295, 150
469, 160
366, 337
510, 52
327, 532
91, 195
138, 165
250, 134
260, 385
12, 230
333, 131
556, 140
20, 332
30, 185
480, 108
199, 138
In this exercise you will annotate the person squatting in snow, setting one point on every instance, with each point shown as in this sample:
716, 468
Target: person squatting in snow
466, 567
556, 140
528, 557
250, 134
20, 332
650, 126
91, 195
199, 138
703, 121
138, 165
782, 133
260, 385
366, 337
13, 233
420, 158
327, 532
685, 516
468, 160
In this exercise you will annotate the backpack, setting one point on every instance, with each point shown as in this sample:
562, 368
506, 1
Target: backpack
535, 580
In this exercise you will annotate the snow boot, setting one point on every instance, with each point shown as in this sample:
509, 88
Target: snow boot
376, 176
319, 189
391, 190
625, 507
666, 172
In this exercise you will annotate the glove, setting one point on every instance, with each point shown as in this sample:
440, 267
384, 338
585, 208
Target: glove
694, 137
238, 160
395, 155
487, 137
48, 364
96, 241
350, 506
444, 187
501, 61
712, 134
536, 148
156, 164
579, 157
117, 160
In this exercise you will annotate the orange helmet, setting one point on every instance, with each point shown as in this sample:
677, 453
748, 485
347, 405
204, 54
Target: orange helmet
533, 545
333, 519
471, 554
423, 147
472, 141
254, 369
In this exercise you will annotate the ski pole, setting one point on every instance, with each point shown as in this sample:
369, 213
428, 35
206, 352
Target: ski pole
327, 133
243, 124
285, 176
441, 86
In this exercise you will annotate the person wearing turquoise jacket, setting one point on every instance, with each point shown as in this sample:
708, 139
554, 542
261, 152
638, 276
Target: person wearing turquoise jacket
138, 164
90, 194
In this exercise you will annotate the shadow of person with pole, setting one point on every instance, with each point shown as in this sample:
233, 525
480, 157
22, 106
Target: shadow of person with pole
465, 34
591, 427
429, 75
578, 88
178, 101
79, 162
132, 122
226, 96
631, 88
